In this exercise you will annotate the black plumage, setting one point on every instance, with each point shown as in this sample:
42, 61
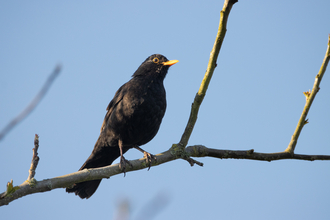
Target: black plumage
133, 119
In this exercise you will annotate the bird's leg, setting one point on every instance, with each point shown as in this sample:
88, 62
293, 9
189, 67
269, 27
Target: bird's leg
148, 156
123, 161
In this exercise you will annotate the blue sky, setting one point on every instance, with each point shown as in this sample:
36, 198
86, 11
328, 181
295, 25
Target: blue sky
270, 56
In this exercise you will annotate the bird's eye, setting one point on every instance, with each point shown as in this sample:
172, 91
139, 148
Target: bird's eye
155, 60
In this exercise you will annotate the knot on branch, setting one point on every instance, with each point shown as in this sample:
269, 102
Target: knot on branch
32, 182
178, 151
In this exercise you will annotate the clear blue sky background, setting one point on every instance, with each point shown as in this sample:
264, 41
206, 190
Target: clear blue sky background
270, 56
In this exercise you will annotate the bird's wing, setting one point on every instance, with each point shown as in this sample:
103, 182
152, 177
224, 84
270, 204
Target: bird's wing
114, 102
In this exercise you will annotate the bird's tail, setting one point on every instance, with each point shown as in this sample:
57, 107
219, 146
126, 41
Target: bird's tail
100, 157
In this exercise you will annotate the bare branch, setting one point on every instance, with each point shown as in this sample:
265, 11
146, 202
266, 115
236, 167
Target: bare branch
30, 187
228, 4
32, 104
27, 187
309, 100
192, 162
35, 158
202, 151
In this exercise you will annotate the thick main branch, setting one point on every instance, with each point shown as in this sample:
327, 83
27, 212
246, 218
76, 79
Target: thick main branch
29, 187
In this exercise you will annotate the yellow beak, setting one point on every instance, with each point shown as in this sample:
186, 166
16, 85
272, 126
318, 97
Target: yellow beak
170, 62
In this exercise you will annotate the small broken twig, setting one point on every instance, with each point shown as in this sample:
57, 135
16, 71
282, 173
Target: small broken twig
35, 158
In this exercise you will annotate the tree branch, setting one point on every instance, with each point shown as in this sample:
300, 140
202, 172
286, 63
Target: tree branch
32, 104
309, 100
202, 151
28, 187
179, 148
35, 159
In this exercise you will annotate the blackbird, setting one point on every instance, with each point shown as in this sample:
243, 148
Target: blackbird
133, 118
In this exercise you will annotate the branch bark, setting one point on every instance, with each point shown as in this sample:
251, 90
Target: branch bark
202, 151
31, 187
224, 14
34, 186
309, 100
35, 159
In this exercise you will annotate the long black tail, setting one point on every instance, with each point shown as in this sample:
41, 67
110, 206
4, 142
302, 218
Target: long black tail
100, 157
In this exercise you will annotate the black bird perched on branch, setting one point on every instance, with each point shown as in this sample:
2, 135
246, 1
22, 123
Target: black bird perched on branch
133, 119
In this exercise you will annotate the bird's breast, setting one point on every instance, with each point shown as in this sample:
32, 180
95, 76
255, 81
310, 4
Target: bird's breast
136, 119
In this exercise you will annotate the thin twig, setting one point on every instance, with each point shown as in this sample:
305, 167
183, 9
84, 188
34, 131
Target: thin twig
309, 100
32, 104
178, 149
35, 158
202, 151
209, 72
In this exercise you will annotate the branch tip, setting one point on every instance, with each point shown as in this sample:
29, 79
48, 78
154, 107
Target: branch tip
35, 159
309, 100
192, 162
222, 28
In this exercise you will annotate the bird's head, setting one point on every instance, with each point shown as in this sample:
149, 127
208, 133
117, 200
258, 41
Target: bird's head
155, 64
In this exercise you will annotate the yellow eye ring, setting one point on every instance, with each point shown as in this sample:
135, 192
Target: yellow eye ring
155, 60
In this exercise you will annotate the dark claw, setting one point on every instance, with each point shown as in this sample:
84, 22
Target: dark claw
149, 158
122, 164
